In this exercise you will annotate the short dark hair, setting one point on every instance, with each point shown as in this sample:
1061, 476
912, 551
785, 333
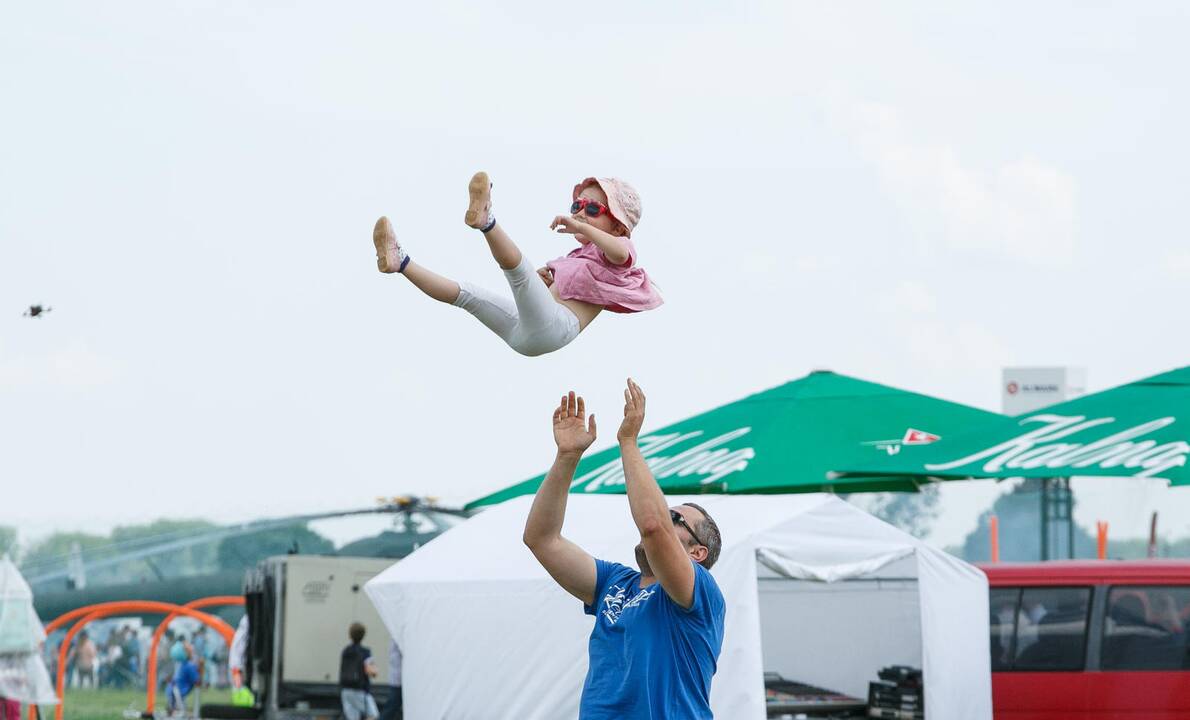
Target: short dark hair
356, 632
708, 531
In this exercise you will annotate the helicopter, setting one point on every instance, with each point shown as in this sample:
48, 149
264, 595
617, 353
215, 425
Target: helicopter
36, 311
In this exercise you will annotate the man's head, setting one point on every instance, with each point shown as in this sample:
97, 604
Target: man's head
695, 518
699, 535
356, 632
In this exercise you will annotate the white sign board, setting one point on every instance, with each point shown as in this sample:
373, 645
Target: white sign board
1028, 389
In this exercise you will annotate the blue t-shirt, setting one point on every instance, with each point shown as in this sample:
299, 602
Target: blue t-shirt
186, 677
649, 656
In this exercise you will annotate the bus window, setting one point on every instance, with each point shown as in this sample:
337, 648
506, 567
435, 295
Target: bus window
1145, 628
1052, 629
1004, 604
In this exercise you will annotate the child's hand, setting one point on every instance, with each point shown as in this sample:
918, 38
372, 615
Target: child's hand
612, 247
570, 226
547, 276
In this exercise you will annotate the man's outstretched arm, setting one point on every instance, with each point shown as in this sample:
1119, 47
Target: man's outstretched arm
668, 558
568, 564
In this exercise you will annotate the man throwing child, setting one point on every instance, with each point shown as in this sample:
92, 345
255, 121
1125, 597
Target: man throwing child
658, 631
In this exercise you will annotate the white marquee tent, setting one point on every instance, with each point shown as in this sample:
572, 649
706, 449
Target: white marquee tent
23, 674
816, 589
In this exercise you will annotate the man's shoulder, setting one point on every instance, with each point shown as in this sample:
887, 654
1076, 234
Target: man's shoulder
706, 585
705, 575
609, 569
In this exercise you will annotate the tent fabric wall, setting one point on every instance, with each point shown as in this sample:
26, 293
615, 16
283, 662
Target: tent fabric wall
23, 674
485, 631
881, 618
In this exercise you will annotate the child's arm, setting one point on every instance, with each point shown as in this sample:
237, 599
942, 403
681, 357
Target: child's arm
613, 248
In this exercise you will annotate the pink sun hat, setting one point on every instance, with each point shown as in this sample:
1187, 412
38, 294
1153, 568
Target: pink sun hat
622, 199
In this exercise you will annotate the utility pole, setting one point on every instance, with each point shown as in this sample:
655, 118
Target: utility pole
1025, 391
1153, 536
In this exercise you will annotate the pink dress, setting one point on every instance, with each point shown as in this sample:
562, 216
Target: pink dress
585, 274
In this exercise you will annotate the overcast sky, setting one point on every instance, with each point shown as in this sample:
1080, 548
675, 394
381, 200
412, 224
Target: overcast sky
916, 194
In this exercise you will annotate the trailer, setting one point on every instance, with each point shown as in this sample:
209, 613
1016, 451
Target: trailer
299, 608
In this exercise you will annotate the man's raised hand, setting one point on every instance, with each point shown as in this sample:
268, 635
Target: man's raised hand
573, 430
634, 412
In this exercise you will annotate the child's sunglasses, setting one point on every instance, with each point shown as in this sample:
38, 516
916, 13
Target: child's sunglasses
593, 208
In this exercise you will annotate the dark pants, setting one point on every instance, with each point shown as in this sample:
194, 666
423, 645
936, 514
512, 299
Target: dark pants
394, 709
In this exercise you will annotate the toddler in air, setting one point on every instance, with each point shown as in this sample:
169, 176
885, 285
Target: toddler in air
551, 306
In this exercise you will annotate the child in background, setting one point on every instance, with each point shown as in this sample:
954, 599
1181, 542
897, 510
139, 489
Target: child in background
548, 311
356, 670
186, 676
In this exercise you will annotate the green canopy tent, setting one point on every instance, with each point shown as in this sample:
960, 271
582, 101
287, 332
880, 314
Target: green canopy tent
782, 440
1141, 429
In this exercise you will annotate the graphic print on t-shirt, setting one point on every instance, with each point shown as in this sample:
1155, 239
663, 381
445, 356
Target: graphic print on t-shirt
614, 604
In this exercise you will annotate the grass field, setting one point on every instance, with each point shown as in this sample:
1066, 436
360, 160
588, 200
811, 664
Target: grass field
111, 704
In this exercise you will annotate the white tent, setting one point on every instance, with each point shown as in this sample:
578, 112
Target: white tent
486, 633
23, 674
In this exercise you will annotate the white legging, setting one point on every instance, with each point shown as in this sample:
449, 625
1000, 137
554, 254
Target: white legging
534, 323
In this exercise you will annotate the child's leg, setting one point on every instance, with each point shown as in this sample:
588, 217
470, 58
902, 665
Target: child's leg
535, 325
543, 324
392, 258
497, 313
431, 283
479, 216
505, 252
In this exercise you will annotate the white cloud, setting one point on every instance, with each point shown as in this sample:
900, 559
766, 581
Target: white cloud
1023, 208
75, 366
912, 297
1177, 264
930, 339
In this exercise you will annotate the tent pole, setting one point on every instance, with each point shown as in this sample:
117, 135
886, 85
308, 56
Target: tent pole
1045, 519
1152, 553
994, 531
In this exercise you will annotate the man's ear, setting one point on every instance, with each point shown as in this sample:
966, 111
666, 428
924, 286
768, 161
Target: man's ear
699, 553
620, 230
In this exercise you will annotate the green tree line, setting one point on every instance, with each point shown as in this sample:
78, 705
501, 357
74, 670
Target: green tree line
1018, 513
52, 552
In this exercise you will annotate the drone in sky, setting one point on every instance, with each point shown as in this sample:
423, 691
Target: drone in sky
36, 311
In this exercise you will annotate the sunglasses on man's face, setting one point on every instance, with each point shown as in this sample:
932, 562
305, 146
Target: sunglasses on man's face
679, 520
593, 208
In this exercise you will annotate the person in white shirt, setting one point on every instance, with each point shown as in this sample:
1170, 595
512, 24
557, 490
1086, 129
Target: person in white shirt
394, 709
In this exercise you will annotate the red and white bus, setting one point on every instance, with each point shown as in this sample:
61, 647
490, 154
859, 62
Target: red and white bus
1090, 639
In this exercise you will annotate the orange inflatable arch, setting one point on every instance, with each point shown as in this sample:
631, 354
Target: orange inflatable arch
90, 613
155, 643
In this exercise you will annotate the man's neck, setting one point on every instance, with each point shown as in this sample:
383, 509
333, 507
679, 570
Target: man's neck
647, 580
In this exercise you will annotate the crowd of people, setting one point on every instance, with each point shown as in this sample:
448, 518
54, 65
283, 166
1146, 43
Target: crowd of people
115, 656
